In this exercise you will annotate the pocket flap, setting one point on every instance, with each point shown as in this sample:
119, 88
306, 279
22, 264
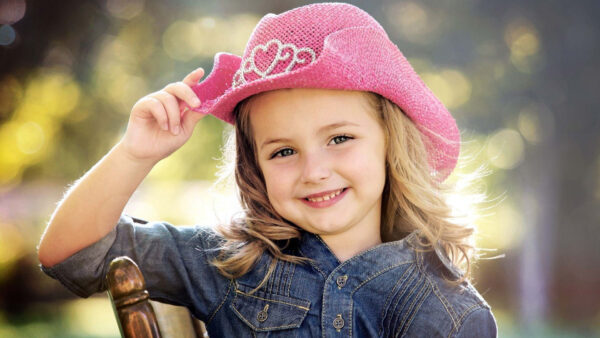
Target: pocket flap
266, 312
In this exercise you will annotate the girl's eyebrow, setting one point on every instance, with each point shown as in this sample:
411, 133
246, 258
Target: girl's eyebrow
321, 130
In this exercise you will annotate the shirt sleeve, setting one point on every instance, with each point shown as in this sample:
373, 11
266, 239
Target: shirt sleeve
174, 260
479, 323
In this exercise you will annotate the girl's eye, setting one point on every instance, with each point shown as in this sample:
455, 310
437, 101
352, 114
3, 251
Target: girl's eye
283, 152
341, 139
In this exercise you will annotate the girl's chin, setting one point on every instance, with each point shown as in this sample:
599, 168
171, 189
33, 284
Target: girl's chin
324, 230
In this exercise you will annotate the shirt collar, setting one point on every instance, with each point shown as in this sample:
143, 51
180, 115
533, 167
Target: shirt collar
374, 259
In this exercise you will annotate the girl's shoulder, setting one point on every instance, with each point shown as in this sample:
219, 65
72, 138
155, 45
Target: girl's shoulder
461, 307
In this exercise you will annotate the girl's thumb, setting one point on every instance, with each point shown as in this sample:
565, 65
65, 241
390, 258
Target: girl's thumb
191, 118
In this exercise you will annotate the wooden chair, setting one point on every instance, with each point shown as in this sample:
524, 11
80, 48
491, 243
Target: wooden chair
137, 315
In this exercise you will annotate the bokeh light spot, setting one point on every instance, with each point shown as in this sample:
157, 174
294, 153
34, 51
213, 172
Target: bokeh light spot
529, 125
11, 92
505, 149
451, 86
412, 20
11, 244
206, 36
7, 35
503, 229
125, 9
89, 317
30, 137
54, 93
11, 160
523, 40
179, 40
12, 11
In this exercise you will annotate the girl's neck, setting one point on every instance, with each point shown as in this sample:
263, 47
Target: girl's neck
347, 245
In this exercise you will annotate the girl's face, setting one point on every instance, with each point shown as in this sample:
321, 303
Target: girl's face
322, 154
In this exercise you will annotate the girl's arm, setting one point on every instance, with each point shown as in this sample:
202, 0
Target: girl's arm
92, 206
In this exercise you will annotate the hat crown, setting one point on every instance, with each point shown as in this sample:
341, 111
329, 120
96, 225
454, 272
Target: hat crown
293, 39
330, 46
308, 26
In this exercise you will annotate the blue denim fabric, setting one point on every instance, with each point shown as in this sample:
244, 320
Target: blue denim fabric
389, 290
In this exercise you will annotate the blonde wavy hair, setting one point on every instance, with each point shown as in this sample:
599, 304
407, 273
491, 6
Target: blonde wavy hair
412, 199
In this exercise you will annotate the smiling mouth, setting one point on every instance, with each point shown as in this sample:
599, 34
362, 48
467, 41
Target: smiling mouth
326, 197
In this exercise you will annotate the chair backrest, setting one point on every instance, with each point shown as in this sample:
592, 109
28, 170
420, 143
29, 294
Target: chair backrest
137, 315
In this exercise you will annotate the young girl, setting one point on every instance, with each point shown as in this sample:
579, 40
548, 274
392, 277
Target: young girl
341, 153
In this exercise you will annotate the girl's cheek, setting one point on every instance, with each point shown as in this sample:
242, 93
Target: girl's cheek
365, 159
359, 157
277, 180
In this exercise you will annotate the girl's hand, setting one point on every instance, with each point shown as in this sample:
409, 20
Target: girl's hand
161, 122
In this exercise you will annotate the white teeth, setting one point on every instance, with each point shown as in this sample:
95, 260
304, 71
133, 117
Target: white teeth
326, 198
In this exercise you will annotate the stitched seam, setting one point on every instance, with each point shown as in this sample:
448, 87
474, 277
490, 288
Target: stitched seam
270, 282
410, 320
411, 309
446, 305
272, 300
269, 286
414, 299
273, 278
403, 290
222, 302
264, 328
283, 280
350, 316
278, 276
401, 304
290, 277
391, 295
379, 273
323, 314
438, 293
376, 275
467, 312
314, 265
328, 248
395, 243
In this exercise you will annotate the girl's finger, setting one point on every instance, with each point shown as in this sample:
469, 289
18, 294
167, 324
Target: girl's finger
172, 108
193, 77
183, 92
190, 118
156, 108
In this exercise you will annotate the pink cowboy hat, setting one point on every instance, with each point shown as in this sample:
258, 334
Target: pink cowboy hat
330, 46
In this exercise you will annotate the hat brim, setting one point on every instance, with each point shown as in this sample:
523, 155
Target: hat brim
356, 58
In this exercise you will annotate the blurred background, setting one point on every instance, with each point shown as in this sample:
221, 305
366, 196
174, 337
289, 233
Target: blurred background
520, 77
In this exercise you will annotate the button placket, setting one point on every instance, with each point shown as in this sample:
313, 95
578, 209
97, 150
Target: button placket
341, 281
338, 322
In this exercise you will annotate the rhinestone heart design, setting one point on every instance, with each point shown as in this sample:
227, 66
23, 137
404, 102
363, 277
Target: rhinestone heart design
249, 66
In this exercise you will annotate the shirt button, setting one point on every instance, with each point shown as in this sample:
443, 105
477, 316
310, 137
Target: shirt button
338, 322
262, 315
341, 281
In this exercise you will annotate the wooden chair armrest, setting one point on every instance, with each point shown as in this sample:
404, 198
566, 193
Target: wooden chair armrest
127, 291
137, 315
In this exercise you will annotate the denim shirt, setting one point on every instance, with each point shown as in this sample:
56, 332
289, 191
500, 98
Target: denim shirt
391, 289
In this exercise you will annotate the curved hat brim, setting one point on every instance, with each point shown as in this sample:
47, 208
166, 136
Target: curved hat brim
355, 58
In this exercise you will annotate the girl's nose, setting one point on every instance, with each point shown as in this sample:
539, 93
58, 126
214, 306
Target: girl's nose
316, 167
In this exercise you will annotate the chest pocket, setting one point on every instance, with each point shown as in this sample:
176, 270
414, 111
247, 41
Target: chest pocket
267, 312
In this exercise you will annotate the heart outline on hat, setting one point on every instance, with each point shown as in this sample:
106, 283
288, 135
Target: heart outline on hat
249, 64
